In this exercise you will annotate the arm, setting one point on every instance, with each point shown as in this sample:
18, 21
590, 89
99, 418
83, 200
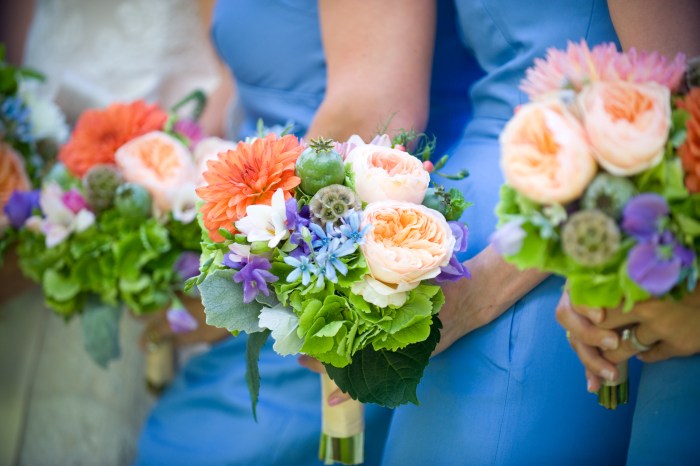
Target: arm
469, 307
15, 20
666, 27
378, 55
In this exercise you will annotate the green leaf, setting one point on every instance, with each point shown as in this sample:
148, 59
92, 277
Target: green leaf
387, 378
595, 289
252, 374
100, 323
60, 287
224, 306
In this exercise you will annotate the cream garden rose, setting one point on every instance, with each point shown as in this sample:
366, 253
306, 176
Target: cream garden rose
408, 243
160, 163
545, 154
383, 173
627, 124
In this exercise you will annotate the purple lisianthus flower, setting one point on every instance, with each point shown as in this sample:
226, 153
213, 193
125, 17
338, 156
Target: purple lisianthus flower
461, 234
255, 276
641, 215
190, 129
180, 320
655, 264
74, 200
508, 240
20, 206
187, 265
453, 271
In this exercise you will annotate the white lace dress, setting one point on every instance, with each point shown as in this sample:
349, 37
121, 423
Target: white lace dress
98, 51
95, 52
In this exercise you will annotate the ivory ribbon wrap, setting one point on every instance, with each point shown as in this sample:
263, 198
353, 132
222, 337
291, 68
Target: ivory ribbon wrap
160, 364
344, 420
622, 369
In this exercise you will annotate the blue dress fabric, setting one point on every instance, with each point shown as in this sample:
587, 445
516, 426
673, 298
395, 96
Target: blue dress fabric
274, 50
513, 391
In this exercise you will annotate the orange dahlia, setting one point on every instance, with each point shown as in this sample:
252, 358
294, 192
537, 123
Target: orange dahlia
12, 174
250, 174
99, 133
690, 150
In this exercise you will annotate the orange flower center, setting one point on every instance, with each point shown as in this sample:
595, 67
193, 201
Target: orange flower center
624, 103
159, 158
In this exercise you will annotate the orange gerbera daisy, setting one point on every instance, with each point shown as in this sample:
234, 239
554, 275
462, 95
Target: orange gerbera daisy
247, 175
690, 150
12, 174
99, 133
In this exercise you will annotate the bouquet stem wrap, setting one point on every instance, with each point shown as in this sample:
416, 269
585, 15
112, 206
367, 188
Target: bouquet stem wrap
160, 366
612, 394
343, 428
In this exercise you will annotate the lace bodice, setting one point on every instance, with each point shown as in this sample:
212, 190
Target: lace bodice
97, 51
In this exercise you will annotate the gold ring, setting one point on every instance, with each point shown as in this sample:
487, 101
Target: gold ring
568, 335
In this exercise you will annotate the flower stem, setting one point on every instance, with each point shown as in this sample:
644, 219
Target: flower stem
613, 394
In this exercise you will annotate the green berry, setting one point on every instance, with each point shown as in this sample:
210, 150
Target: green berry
319, 166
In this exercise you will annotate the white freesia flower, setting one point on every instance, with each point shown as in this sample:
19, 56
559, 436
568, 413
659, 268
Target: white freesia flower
283, 323
184, 203
266, 222
47, 119
60, 221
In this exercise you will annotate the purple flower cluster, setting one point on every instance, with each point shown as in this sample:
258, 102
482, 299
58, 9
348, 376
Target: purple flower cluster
657, 261
20, 207
456, 270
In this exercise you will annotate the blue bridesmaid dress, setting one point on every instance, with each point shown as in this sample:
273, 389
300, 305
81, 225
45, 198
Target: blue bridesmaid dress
274, 50
513, 391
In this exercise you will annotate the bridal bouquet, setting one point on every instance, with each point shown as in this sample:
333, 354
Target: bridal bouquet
332, 250
114, 224
31, 129
602, 174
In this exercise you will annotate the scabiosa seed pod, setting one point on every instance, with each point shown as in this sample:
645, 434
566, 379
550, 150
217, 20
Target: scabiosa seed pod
608, 194
330, 204
101, 183
590, 237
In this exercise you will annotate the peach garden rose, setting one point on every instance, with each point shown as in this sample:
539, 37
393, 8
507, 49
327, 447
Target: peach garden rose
407, 243
160, 163
545, 153
627, 124
383, 173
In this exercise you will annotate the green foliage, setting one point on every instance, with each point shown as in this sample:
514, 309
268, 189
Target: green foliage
254, 344
388, 378
223, 303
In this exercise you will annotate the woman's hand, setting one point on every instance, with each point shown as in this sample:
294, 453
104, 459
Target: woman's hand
470, 304
337, 396
158, 328
671, 328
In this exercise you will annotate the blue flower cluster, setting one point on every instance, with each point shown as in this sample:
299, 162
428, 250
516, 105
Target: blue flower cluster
320, 251
14, 120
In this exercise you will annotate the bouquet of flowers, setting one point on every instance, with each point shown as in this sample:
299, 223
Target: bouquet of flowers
333, 250
31, 129
114, 224
602, 174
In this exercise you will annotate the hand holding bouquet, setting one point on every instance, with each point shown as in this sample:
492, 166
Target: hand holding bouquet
602, 179
329, 249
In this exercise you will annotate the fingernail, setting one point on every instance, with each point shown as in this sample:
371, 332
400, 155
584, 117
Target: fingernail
335, 400
608, 375
596, 315
609, 343
589, 385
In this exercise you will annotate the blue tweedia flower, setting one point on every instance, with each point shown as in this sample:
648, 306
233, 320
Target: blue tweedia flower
14, 115
302, 268
352, 229
322, 238
255, 276
329, 259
